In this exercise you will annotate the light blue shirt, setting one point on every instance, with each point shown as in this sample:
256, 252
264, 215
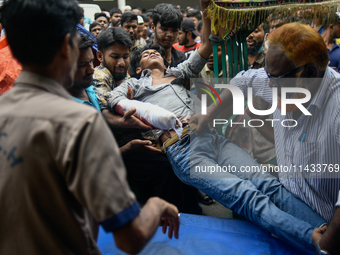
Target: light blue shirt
92, 96
320, 148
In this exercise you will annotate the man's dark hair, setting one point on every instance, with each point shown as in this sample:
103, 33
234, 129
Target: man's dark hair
167, 16
200, 25
85, 41
100, 14
136, 56
330, 19
82, 11
266, 26
32, 41
127, 17
145, 18
111, 36
115, 10
195, 13
192, 34
94, 24
149, 14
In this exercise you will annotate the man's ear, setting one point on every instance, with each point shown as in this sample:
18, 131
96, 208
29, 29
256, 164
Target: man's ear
190, 34
100, 56
138, 70
66, 47
153, 28
310, 71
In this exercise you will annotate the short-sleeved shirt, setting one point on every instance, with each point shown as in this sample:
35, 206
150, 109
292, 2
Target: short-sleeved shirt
53, 176
187, 50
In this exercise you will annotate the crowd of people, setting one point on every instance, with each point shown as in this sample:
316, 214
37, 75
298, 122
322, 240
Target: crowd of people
103, 126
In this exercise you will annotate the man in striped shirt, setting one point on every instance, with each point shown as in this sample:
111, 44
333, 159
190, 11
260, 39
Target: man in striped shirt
308, 149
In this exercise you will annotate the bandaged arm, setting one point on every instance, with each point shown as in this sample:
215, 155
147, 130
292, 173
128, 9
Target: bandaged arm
152, 115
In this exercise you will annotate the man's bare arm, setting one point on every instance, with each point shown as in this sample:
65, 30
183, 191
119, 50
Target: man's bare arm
206, 48
132, 237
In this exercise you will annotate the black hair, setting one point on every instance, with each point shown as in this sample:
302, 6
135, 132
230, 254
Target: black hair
34, 42
192, 34
195, 13
330, 19
266, 26
127, 17
111, 36
199, 26
136, 56
145, 18
100, 14
115, 10
118, 23
85, 41
82, 11
167, 16
94, 24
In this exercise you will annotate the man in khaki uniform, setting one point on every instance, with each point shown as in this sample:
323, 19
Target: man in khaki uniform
54, 182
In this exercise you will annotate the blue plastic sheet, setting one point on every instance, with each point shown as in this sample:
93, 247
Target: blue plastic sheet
210, 235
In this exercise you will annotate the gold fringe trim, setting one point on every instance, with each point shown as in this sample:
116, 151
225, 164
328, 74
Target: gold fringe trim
249, 18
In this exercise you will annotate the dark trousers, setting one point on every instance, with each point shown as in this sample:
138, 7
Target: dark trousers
151, 175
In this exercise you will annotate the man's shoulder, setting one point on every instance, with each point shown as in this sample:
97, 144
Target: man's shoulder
44, 106
101, 71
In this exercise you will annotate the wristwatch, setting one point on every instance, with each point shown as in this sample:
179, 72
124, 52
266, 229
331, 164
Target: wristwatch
321, 252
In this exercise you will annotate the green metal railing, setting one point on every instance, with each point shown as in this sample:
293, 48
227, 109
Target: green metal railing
237, 61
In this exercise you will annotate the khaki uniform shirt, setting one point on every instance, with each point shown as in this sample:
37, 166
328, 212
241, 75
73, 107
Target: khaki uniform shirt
60, 167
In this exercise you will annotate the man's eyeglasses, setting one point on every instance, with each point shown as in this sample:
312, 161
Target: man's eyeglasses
275, 79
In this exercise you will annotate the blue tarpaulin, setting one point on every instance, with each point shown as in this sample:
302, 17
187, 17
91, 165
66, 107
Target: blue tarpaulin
210, 235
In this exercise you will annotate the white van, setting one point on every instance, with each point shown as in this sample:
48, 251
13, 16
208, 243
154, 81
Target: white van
90, 10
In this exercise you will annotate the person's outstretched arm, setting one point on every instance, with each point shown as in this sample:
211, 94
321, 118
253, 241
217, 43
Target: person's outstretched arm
132, 237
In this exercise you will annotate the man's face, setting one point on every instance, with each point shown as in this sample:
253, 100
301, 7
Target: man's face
131, 28
182, 37
96, 30
115, 18
103, 22
84, 74
116, 59
277, 64
195, 20
150, 59
336, 31
210, 62
165, 36
140, 29
255, 41
145, 30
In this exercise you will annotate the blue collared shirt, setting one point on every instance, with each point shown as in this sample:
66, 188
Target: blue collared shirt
92, 96
334, 56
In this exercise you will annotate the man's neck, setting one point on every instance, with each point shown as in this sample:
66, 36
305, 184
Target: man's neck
49, 72
328, 38
78, 93
219, 69
119, 82
251, 59
190, 43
